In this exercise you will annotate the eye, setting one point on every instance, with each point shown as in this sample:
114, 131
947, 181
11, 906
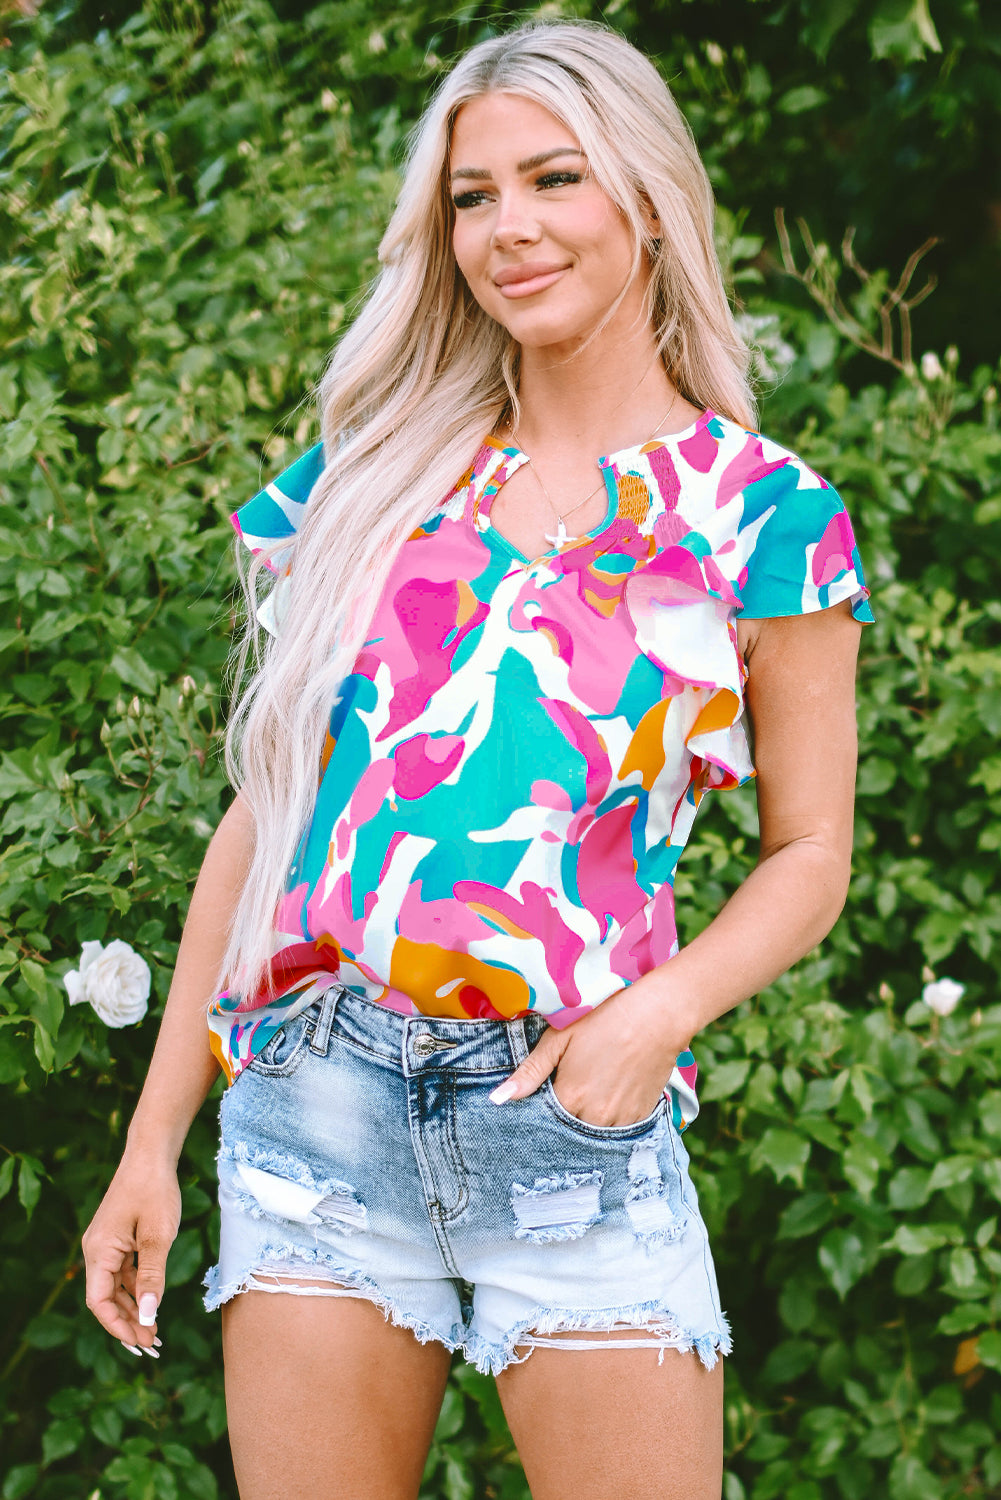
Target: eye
558, 179
472, 199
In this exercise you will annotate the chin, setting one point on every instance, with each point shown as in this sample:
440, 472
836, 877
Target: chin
536, 330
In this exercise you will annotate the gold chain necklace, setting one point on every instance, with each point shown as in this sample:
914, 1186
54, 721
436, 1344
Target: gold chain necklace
561, 536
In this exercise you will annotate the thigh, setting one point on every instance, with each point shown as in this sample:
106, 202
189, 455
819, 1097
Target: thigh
326, 1398
593, 1423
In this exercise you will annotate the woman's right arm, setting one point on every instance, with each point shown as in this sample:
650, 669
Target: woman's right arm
141, 1210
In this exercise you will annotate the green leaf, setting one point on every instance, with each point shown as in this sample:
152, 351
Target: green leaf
843, 1259
28, 1185
989, 1349
185, 1258
61, 1438
20, 1481
784, 1152
805, 1215
6, 1175
903, 29
796, 101
917, 1239
725, 1079
911, 1480
910, 1187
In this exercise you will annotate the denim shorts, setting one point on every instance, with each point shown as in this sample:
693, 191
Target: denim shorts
360, 1156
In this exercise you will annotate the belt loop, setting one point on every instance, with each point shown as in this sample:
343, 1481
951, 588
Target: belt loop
321, 1032
518, 1041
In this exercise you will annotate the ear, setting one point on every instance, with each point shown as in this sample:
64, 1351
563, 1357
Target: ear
651, 219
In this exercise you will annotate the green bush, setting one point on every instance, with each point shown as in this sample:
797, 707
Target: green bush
191, 213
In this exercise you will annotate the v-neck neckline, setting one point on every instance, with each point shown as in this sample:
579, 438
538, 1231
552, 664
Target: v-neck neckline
485, 492
610, 464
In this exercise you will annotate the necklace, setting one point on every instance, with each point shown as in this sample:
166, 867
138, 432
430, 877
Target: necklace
561, 536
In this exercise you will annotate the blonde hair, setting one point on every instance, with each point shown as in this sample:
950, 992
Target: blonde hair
419, 378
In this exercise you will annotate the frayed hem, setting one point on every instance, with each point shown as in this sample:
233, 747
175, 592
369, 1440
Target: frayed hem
655, 1326
271, 1263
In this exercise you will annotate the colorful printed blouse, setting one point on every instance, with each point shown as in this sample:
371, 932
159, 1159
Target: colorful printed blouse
518, 755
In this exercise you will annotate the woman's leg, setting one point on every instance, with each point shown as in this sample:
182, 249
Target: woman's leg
593, 1423
327, 1399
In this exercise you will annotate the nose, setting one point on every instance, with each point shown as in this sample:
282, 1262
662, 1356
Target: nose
515, 225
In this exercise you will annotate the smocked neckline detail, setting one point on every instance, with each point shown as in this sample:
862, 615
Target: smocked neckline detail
608, 460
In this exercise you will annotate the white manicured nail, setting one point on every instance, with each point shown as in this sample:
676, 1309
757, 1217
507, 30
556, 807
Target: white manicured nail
151, 1352
132, 1348
504, 1091
158, 1343
147, 1310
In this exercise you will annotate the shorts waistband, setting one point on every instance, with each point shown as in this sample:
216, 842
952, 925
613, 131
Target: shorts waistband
419, 1044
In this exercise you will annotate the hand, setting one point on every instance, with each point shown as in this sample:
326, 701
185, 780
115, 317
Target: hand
611, 1066
140, 1213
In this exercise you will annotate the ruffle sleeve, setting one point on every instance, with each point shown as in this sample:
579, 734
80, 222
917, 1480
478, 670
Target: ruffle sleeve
268, 522
799, 545
682, 607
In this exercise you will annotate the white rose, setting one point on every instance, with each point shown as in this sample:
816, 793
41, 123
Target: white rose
943, 995
114, 980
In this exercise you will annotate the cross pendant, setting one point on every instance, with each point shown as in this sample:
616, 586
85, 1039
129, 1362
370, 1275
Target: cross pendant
562, 536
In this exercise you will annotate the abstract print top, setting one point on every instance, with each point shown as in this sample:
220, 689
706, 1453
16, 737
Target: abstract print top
516, 759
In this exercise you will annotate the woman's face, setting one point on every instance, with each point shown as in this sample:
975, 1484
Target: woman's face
542, 247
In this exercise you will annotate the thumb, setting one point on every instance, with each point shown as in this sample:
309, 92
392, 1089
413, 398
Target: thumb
535, 1069
152, 1242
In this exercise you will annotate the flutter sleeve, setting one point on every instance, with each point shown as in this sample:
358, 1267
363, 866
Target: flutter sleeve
799, 546
267, 525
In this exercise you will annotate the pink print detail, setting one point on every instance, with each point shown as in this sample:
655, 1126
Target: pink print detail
719, 582
549, 794
606, 877
668, 529
424, 762
391, 849
559, 634
426, 613
331, 912
666, 476
834, 550
366, 800
584, 737
447, 924
649, 939
701, 450
534, 913
289, 916
748, 466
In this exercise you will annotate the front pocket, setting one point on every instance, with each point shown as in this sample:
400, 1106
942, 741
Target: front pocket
282, 1053
604, 1132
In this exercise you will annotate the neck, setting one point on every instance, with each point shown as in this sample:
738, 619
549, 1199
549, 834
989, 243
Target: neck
605, 396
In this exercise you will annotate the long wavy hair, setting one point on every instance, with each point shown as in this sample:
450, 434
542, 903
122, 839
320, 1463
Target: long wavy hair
419, 378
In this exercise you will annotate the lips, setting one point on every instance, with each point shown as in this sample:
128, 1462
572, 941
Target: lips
517, 282
529, 270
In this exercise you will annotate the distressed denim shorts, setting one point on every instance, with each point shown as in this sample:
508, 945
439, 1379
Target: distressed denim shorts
361, 1156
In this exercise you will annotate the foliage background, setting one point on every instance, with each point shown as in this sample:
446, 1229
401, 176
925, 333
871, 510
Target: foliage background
192, 197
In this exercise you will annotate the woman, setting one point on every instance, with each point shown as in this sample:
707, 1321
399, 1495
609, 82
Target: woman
458, 1043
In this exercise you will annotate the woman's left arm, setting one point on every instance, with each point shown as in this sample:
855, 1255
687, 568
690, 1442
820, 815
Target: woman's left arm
613, 1064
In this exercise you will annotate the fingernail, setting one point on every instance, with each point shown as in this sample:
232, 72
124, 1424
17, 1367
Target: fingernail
504, 1091
147, 1310
132, 1348
151, 1352
158, 1343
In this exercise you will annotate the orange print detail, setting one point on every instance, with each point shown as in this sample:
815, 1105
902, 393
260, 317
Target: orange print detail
646, 748
719, 713
634, 498
468, 603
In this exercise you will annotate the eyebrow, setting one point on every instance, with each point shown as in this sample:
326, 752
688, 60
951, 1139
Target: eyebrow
480, 174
